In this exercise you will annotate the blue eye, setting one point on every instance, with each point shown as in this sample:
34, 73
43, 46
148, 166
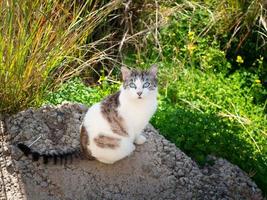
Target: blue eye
146, 85
132, 85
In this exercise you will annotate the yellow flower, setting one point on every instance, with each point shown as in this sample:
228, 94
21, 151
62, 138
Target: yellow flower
258, 81
191, 47
191, 35
239, 59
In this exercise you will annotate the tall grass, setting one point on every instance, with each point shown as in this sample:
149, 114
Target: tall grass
242, 18
43, 41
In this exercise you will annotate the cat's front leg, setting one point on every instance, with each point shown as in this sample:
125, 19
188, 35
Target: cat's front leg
140, 139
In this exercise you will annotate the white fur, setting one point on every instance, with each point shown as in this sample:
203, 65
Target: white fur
136, 114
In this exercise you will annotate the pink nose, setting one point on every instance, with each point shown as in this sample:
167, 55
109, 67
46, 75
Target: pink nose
139, 93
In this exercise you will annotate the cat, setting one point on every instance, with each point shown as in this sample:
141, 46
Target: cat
112, 127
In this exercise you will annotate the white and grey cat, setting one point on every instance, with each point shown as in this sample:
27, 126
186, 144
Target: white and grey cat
112, 127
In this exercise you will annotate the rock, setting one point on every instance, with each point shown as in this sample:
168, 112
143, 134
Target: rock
6, 151
156, 170
44, 184
180, 172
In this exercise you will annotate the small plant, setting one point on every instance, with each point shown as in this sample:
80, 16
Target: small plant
182, 41
241, 29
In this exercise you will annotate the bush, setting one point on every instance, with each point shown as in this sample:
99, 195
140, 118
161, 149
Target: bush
182, 42
242, 30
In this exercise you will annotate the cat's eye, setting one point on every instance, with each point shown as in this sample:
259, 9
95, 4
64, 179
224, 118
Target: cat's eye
132, 85
146, 85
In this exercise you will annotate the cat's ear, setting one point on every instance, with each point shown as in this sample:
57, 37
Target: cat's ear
153, 69
125, 72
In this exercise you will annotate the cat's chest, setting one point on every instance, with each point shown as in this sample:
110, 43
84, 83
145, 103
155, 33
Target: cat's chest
136, 116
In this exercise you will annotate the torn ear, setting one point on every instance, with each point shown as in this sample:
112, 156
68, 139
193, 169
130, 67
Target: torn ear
154, 69
125, 72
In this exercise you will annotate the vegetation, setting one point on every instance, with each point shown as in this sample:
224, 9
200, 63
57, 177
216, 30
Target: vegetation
42, 43
212, 70
75, 91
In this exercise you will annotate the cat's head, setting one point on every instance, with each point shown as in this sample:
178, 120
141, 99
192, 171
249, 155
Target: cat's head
140, 84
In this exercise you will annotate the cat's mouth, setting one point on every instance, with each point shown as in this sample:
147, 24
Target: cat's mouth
139, 97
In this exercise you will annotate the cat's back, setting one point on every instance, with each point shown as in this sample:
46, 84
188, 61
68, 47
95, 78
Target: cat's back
98, 115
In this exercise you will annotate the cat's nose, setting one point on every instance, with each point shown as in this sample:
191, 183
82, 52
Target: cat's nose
139, 93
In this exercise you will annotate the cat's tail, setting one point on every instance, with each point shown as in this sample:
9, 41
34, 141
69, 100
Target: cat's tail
55, 156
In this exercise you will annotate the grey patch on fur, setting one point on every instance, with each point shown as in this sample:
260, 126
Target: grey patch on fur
145, 76
103, 141
84, 140
109, 109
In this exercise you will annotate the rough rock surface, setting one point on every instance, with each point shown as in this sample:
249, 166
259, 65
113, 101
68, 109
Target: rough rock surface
156, 170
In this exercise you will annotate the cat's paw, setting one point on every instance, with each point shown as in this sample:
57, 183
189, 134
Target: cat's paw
140, 139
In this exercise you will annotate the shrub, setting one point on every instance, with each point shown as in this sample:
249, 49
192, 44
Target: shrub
182, 41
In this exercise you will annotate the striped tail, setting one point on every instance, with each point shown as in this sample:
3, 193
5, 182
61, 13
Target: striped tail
47, 157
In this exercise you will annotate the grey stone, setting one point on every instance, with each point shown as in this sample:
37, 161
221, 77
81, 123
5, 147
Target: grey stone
6, 150
44, 184
180, 172
156, 170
